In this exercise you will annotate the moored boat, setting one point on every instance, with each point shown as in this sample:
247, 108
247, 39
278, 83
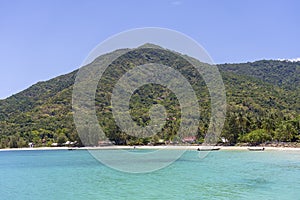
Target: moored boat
256, 148
208, 148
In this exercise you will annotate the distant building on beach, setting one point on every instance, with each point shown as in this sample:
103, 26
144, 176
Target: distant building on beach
190, 139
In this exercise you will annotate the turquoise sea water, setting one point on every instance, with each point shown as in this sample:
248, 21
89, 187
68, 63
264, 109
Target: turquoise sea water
62, 174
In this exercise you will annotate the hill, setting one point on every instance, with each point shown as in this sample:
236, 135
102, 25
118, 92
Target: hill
281, 73
263, 103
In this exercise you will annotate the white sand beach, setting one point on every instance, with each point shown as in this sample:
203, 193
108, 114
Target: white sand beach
116, 147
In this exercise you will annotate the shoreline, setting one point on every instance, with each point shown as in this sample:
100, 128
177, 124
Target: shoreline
225, 148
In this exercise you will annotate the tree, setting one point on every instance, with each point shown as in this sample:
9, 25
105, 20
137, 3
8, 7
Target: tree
61, 139
256, 137
285, 132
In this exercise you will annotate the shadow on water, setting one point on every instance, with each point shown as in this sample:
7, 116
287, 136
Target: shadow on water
256, 182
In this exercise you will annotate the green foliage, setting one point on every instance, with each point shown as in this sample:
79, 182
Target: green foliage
256, 137
263, 104
288, 131
281, 73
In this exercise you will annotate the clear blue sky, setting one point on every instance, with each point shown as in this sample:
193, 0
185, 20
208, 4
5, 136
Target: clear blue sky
42, 39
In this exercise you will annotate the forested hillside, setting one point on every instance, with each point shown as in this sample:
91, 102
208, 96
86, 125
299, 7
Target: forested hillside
263, 104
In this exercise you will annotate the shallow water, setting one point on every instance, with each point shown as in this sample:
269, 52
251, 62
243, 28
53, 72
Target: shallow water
62, 174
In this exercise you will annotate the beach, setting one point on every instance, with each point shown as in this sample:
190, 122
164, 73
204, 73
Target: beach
167, 147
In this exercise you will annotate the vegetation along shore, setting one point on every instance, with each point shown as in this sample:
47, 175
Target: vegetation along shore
263, 105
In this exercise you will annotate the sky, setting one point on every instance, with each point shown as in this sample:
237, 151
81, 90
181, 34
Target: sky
40, 40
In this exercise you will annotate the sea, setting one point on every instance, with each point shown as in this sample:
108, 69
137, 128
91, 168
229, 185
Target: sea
224, 174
